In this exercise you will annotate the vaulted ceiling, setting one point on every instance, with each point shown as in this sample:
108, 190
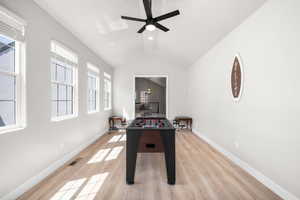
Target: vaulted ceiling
201, 24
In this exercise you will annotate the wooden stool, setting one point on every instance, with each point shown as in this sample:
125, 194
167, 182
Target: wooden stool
113, 119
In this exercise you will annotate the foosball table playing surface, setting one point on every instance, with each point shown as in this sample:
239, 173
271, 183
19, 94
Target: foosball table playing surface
150, 135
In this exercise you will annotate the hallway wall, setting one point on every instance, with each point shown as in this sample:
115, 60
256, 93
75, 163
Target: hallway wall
124, 84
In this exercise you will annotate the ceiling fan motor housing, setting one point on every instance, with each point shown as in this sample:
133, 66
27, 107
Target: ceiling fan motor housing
150, 20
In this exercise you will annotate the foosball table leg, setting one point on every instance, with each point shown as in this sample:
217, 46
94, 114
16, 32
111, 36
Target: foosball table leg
169, 146
132, 142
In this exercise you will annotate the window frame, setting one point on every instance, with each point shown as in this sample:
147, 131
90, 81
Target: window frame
144, 98
107, 77
94, 72
66, 63
20, 98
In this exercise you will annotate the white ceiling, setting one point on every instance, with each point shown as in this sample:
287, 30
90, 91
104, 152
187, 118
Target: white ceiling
200, 25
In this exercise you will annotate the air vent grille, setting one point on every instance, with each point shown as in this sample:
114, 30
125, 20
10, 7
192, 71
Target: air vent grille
74, 162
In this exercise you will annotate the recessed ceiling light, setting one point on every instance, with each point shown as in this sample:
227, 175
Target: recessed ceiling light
150, 27
150, 38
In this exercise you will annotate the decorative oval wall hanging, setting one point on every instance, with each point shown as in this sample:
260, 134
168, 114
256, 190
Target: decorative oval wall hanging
237, 78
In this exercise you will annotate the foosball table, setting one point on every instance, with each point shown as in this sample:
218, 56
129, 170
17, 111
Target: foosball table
150, 135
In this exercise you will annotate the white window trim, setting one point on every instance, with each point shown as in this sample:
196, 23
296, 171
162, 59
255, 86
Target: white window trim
69, 54
65, 117
75, 97
94, 71
107, 77
93, 68
12, 128
14, 26
12, 19
20, 63
74, 65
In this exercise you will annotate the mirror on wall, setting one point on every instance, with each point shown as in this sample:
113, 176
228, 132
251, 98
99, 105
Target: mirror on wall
150, 96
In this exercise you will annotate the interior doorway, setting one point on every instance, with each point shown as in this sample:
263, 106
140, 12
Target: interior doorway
151, 96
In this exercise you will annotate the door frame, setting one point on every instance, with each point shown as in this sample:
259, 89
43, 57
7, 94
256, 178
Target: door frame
152, 76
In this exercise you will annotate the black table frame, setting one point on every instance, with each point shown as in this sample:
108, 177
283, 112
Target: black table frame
132, 143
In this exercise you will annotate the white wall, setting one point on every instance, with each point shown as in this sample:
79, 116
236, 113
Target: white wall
124, 84
26, 153
263, 129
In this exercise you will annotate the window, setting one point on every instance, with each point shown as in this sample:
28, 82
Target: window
63, 82
93, 88
12, 90
107, 91
144, 98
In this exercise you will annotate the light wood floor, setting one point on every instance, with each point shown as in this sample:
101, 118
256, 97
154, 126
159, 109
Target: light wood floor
202, 173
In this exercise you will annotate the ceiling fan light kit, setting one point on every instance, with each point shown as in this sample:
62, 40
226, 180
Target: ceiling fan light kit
150, 27
152, 23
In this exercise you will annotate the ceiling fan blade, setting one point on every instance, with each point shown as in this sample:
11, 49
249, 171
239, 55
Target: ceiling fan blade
147, 5
142, 29
166, 16
161, 27
133, 19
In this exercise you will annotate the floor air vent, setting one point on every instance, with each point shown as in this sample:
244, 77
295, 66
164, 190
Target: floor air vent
74, 162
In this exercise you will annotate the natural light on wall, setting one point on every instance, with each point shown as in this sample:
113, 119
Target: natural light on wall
12, 71
125, 113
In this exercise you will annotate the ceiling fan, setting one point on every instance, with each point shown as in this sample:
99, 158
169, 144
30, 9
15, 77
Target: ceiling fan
152, 23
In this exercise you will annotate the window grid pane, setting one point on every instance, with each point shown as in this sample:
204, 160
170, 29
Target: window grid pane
62, 108
107, 94
7, 54
7, 113
69, 93
62, 89
8, 79
7, 87
62, 73
92, 92
70, 107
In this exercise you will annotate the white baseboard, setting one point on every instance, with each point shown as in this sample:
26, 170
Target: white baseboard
280, 191
49, 170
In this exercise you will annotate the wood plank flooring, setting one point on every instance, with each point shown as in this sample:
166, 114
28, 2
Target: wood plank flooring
202, 174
